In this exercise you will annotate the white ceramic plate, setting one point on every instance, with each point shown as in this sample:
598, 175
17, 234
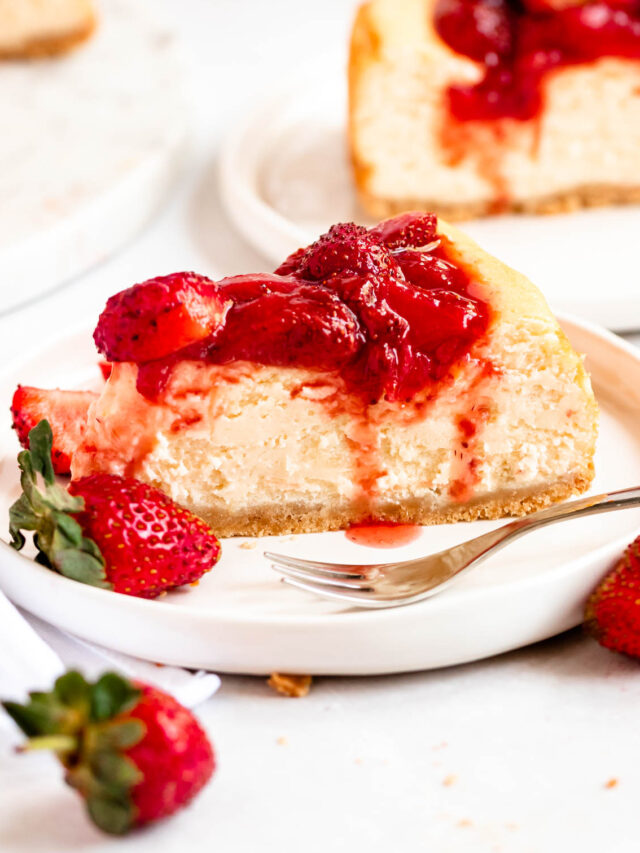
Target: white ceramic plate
241, 618
285, 178
92, 145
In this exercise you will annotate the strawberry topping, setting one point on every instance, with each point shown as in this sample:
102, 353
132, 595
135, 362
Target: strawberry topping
385, 307
66, 412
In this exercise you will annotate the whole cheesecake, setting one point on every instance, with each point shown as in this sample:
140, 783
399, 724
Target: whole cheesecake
33, 28
398, 373
473, 107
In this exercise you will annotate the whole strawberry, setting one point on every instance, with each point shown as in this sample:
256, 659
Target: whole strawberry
132, 752
108, 531
612, 614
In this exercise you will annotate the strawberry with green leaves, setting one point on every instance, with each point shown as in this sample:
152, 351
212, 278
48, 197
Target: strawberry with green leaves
133, 753
108, 531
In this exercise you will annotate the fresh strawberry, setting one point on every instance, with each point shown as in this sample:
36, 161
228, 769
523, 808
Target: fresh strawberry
133, 753
408, 230
108, 531
159, 317
612, 614
66, 411
345, 248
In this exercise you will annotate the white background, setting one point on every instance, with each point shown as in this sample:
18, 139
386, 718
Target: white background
511, 754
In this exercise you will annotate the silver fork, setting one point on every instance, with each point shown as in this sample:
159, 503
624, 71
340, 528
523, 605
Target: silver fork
396, 584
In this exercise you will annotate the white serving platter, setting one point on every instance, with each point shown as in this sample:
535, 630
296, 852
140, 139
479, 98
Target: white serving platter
285, 178
241, 618
91, 144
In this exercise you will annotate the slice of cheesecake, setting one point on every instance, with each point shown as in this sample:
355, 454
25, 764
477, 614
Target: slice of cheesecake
472, 107
398, 373
34, 28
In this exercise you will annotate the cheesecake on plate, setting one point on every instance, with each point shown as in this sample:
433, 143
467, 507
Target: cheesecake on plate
473, 107
398, 373
35, 28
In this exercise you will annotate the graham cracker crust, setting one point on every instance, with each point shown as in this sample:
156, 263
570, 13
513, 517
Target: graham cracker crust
50, 46
572, 200
287, 518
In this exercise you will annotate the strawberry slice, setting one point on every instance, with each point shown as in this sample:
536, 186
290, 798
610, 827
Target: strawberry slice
278, 320
160, 317
412, 229
66, 411
427, 271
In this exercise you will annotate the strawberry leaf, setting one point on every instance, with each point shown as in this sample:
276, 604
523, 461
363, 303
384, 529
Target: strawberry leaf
47, 509
112, 815
112, 695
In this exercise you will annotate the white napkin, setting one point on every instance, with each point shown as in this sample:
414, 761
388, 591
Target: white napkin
33, 654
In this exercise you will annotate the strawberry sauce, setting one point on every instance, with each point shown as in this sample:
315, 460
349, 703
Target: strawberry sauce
519, 42
389, 318
382, 534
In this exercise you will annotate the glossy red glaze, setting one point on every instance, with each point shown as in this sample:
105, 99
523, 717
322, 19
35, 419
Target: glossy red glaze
382, 534
520, 43
388, 319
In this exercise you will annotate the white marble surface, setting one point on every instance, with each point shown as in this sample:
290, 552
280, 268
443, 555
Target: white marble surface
512, 754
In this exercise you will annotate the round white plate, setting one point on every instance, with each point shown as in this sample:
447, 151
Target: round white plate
241, 618
91, 145
285, 178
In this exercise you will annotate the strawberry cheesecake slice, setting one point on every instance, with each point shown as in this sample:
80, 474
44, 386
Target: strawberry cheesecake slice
398, 373
33, 28
472, 107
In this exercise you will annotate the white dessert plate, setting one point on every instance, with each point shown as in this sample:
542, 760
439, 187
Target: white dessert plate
285, 178
91, 146
242, 618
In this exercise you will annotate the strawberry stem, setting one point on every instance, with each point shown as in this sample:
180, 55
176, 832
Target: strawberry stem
57, 743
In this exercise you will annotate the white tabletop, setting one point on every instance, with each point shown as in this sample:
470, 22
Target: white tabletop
534, 751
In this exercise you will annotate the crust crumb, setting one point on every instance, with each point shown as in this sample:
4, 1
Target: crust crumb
612, 783
295, 686
282, 741
449, 780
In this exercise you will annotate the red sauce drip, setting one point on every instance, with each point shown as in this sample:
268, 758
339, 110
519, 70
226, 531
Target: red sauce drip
466, 473
385, 534
520, 43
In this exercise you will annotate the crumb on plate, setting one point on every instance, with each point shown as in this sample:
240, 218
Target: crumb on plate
290, 685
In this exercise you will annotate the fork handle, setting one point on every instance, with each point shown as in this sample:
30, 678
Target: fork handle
590, 505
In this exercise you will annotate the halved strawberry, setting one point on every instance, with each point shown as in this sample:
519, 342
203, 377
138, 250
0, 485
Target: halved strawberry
66, 411
159, 317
